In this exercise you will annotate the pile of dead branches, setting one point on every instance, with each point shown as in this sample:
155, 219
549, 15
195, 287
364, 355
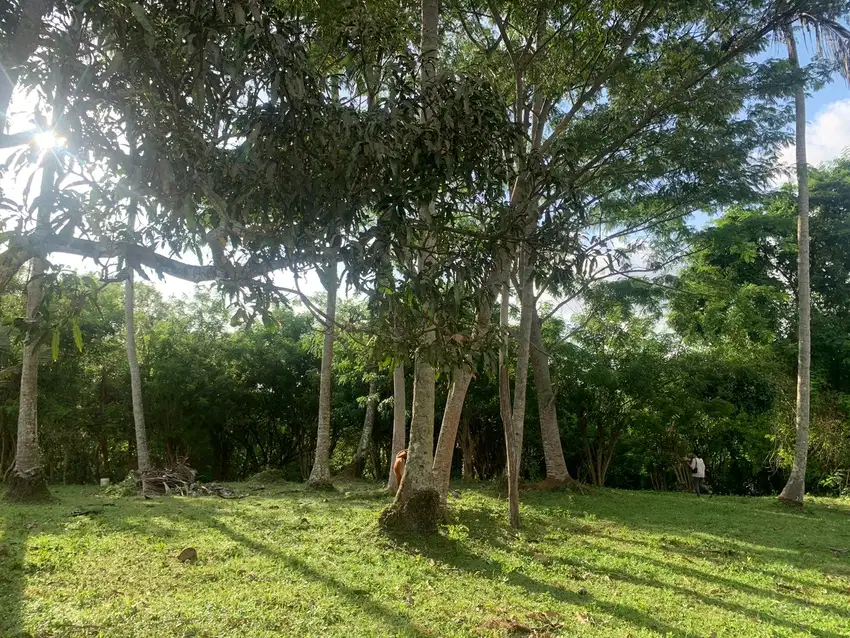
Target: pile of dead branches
177, 479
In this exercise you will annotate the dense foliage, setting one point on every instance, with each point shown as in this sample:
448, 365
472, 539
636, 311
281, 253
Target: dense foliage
651, 370
435, 160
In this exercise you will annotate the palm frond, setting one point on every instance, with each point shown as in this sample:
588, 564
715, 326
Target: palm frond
832, 39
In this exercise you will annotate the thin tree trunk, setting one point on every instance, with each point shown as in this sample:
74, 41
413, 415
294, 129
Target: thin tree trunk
466, 447
520, 387
375, 452
142, 452
553, 452
523, 205
795, 489
320, 476
365, 443
448, 432
399, 422
461, 379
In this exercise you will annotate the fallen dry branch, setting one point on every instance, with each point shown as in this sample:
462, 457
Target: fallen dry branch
179, 479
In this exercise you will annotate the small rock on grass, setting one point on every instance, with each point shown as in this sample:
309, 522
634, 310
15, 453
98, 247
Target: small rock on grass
188, 555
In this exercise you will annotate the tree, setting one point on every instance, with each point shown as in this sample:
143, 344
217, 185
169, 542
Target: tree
28, 482
416, 503
738, 292
606, 132
142, 450
556, 467
320, 476
829, 32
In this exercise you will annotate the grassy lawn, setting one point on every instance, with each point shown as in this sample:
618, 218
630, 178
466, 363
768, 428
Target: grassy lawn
285, 561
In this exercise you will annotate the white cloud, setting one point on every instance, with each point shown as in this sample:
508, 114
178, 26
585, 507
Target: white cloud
827, 136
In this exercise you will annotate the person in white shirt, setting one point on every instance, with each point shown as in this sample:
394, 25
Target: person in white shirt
698, 471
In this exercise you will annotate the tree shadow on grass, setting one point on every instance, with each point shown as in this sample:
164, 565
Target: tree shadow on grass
359, 598
772, 531
484, 526
689, 552
12, 575
17, 524
453, 554
665, 588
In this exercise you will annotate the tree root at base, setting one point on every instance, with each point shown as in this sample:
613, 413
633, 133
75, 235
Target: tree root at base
420, 513
28, 488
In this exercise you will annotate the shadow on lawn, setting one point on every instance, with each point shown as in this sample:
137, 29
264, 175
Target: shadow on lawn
797, 535
12, 578
17, 524
452, 553
359, 598
484, 526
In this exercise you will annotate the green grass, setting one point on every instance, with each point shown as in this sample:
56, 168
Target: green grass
285, 561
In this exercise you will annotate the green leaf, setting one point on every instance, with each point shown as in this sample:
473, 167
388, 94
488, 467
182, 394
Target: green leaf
141, 16
55, 345
78, 336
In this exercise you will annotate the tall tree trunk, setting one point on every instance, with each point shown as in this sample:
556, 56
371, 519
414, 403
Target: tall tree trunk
417, 503
448, 432
461, 379
27, 481
524, 207
399, 422
795, 489
520, 389
142, 452
365, 443
417, 470
556, 467
320, 476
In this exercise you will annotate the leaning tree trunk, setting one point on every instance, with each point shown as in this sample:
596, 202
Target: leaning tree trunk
461, 379
556, 468
417, 503
399, 422
320, 476
795, 488
27, 483
448, 432
356, 467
